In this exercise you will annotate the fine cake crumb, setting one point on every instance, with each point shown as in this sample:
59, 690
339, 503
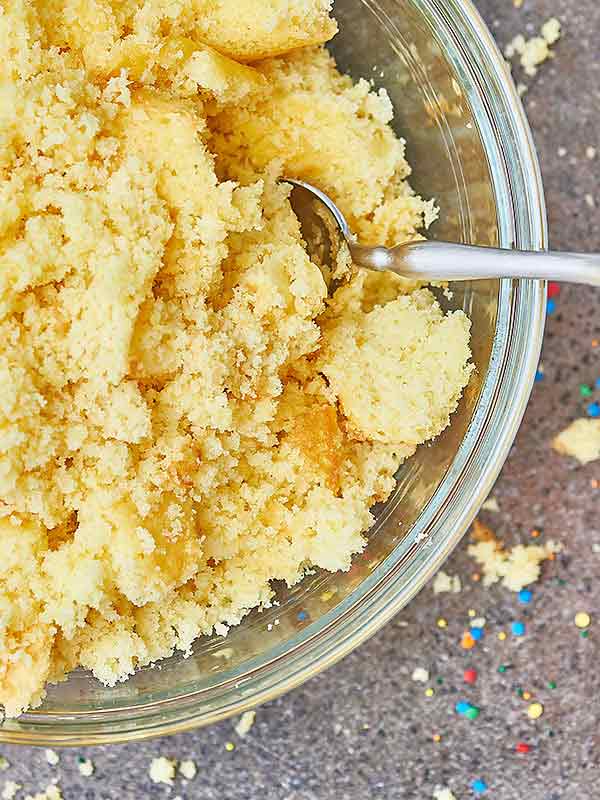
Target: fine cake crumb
162, 770
420, 675
515, 568
10, 790
188, 769
590, 152
52, 792
245, 723
86, 767
491, 504
581, 440
443, 794
536, 50
4, 764
185, 416
446, 583
52, 757
589, 200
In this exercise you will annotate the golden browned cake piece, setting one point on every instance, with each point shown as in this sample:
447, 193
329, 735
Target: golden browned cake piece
184, 417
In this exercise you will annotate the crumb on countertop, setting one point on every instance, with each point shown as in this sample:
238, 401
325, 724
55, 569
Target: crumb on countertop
446, 583
162, 770
533, 52
52, 792
10, 789
86, 767
52, 757
245, 723
581, 440
188, 769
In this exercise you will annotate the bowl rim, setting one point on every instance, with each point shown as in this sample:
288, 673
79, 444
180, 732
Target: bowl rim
518, 189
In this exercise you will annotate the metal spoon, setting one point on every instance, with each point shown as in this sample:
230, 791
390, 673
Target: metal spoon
322, 220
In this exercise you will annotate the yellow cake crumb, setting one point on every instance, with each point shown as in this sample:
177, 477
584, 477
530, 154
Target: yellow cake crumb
162, 770
515, 568
188, 769
446, 583
581, 440
533, 52
52, 792
245, 723
184, 416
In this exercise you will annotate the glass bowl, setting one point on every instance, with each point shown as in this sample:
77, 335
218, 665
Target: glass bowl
471, 148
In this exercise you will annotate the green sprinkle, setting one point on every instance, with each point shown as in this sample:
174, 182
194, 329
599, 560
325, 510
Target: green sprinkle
562, 582
502, 668
551, 685
439, 681
472, 712
585, 390
519, 691
585, 634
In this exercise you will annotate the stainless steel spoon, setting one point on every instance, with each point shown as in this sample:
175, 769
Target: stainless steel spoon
428, 260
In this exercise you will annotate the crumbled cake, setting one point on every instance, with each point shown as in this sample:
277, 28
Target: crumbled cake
581, 440
533, 52
515, 568
184, 417
163, 770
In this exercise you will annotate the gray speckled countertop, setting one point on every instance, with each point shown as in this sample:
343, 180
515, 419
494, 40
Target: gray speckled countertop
364, 729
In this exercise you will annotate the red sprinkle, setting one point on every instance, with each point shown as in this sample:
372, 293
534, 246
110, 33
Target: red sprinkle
553, 289
523, 747
470, 675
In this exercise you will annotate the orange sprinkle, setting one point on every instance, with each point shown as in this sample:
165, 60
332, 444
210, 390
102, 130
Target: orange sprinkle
437, 737
594, 342
535, 533
551, 557
526, 695
467, 641
594, 483
476, 576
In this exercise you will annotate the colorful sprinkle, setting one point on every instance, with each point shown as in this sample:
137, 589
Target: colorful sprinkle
229, 746
467, 710
551, 307
535, 711
326, 596
551, 685
502, 636
467, 642
518, 628
476, 634
594, 342
582, 619
539, 375
472, 613
470, 675
502, 668
535, 533
479, 786
593, 410
442, 623
553, 289
597, 384
585, 390
476, 577
523, 747
302, 615
429, 692
525, 596
462, 706
436, 738
526, 695
584, 634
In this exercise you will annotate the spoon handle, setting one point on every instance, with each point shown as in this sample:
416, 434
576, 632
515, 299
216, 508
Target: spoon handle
459, 262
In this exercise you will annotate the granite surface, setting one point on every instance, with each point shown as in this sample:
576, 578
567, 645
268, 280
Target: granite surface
364, 729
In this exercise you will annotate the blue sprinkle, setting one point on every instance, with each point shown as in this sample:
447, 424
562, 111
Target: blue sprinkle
479, 786
539, 376
593, 410
525, 596
477, 633
598, 384
302, 615
518, 628
551, 307
462, 706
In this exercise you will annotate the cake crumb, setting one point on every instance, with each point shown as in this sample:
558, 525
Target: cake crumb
52, 757
162, 770
581, 440
188, 769
446, 583
10, 790
491, 504
589, 200
86, 767
4, 764
420, 675
590, 152
533, 52
515, 568
245, 723
443, 794
52, 792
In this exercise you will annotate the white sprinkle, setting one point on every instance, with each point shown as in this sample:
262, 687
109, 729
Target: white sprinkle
420, 675
562, 152
52, 758
245, 722
188, 769
596, 547
478, 622
443, 794
590, 153
590, 202
162, 770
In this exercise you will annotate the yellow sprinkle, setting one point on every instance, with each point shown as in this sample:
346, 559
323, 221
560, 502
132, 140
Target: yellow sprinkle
442, 623
229, 746
582, 619
535, 711
472, 612
428, 692
326, 596
526, 695
502, 636
437, 737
